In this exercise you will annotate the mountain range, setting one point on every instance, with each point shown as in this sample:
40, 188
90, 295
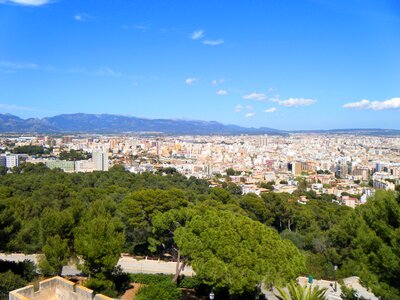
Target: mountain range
107, 123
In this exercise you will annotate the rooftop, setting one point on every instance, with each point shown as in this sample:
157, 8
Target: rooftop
56, 288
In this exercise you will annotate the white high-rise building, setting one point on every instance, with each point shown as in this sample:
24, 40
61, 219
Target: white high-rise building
100, 160
9, 160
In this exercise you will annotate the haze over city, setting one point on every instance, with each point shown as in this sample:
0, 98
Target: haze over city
314, 64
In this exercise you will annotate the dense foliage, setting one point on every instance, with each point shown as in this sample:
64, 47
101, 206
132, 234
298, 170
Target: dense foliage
73, 155
163, 290
101, 214
32, 150
14, 275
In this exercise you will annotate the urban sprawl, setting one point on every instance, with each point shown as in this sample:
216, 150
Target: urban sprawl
349, 168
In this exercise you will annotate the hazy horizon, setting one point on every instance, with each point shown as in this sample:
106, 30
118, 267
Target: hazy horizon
228, 124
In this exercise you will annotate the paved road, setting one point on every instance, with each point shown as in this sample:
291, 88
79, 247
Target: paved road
132, 265
128, 264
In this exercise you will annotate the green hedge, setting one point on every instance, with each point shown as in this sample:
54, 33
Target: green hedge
183, 281
165, 290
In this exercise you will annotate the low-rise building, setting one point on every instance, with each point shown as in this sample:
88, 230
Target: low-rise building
56, 288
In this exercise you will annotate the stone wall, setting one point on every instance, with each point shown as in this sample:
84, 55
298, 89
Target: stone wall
56, 288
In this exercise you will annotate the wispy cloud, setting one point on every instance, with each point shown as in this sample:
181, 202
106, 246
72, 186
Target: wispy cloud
140, 27
190, 81
270, 110
83, 17
13, 67
255, 96
105, 71
213, 42
249, 115
238, 108
26, 2
393, 103
222, 92
12, 107
17, 65
197, 35
294, 102
218, 81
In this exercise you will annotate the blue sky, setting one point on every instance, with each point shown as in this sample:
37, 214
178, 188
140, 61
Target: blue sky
287, 64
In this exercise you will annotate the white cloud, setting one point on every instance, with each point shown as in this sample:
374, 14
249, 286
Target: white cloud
249, 115
255, 96
392, 103
17, 65
26, 2
197, 35
270, 110
140, 27
15, 107
106, 71
222, 92
82, 17
295, 102
358, 105
213, 42
238, 108
218, 81
190, 81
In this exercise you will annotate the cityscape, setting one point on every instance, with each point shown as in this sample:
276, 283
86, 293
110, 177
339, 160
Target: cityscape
199, 150
332, 164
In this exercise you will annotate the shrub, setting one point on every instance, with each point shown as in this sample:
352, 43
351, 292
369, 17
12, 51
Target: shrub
150, 278
102, 286
10, 281
26, 269
183, 281
188, 282
162, 290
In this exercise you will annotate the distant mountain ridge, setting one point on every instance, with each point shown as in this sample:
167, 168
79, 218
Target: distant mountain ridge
107, 123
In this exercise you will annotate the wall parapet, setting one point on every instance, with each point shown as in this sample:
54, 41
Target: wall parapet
56, 288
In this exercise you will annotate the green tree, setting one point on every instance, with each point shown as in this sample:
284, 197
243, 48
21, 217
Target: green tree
74, 155
99, 242
233, 188
230, 172
138, 209
32, 150
3, 170
55, 256
10, 281
256, 208
163, 290
234, 252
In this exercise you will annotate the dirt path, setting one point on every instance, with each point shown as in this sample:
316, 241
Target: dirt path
131, 293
